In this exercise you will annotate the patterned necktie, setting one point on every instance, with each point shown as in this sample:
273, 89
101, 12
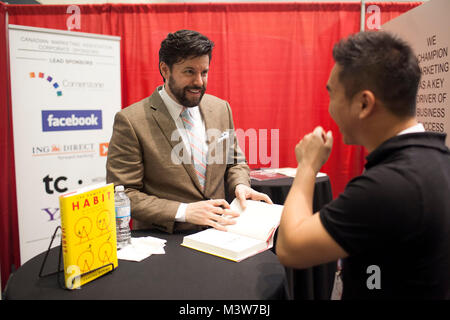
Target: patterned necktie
198, 151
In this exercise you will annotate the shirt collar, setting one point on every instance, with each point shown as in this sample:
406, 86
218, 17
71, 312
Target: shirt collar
173, 107
413, 129
425, 140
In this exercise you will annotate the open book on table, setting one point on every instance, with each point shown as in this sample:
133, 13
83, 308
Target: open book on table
252, 233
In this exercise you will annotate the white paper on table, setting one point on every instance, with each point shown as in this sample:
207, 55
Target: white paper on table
141, 248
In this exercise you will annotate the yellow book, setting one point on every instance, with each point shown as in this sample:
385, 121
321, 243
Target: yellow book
88, 234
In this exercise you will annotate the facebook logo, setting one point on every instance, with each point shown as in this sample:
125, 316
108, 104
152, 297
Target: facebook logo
67, 120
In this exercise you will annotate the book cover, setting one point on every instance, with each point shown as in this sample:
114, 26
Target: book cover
88, 234
261, 175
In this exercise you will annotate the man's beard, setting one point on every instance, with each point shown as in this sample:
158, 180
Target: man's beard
180, 94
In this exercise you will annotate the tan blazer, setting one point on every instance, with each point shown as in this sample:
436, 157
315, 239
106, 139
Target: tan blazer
140, 158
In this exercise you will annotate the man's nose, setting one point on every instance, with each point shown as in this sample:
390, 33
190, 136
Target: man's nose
198, 80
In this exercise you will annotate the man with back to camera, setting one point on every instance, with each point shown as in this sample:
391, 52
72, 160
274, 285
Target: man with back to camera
391, 225
173, 188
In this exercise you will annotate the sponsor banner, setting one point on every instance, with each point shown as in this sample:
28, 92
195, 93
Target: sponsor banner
64, 120
427, 29
65, 91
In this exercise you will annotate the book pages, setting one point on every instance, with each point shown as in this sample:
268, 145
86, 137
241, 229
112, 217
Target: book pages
224, 244
257, 221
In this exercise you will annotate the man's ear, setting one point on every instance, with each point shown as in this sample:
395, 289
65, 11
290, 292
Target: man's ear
164, 70
367, 103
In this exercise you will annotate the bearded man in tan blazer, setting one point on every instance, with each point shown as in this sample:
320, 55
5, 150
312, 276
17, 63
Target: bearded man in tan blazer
154, 154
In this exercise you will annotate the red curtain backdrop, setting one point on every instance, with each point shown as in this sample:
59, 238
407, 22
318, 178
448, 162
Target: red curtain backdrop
271, 62
390, 10
9, 239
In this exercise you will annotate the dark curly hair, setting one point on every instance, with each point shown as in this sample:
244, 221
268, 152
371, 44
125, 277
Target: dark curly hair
184, 44
382, 63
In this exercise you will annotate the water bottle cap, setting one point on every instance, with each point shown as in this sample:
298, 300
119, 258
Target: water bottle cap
119, 188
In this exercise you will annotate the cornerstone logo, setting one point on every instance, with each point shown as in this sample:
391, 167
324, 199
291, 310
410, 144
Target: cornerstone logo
69, 120
49, 79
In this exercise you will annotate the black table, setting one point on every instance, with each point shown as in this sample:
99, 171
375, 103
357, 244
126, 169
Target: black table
278, 189
313, 283
180, 274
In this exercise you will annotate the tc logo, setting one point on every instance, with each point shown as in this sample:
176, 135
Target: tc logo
55, 186
374, 280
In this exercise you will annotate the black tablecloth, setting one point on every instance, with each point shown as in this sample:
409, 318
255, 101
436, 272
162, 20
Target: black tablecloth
313, 283
278, 189
181, 273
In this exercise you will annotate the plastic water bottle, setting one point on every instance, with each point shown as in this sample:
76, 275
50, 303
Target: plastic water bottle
123, 216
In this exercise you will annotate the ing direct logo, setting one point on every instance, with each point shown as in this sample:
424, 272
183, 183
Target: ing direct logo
49, 79
104, 149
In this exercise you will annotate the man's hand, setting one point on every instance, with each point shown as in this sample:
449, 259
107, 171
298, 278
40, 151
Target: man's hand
314, 149
244, 192
209, 213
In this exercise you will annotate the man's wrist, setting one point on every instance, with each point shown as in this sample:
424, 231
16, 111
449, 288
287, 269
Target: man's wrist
306, 171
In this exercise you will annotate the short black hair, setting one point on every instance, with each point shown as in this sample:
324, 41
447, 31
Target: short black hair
184, 44
382, 63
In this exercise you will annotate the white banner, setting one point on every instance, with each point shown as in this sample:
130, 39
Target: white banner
65, 91
427, 30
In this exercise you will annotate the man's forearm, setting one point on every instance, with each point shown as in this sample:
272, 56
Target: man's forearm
235, 175
298, 204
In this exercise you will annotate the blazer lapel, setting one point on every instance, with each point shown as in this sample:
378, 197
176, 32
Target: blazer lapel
168, 127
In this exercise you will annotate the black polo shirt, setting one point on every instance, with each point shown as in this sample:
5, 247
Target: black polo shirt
396, 217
